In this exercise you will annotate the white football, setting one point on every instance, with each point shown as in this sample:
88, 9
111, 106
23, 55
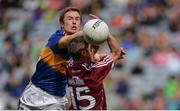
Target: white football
95, 31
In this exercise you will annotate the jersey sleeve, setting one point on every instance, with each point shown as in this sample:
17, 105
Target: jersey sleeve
61, 42
56, 43
101, 69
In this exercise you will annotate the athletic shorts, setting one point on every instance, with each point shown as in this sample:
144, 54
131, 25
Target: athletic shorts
34, 98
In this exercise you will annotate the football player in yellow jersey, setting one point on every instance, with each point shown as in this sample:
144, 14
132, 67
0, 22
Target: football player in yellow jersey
47, 88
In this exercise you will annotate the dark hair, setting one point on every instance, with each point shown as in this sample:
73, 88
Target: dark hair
76, 46
64, 11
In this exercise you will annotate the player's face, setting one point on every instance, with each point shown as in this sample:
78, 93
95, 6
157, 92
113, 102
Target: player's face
72, 22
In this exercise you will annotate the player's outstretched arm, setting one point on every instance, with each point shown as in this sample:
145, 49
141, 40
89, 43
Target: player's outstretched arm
116, 51
68, 38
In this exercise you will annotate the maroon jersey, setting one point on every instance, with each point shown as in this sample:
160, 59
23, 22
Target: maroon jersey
85, 82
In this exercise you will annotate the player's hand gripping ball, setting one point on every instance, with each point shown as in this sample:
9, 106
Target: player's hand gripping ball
95, 31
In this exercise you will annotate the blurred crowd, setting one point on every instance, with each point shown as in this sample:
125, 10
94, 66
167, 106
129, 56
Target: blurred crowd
148, 30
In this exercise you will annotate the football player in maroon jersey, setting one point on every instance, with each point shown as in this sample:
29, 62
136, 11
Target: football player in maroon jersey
86, 72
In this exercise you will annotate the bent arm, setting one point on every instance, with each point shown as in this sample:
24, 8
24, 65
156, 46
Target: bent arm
116, 51
67, 38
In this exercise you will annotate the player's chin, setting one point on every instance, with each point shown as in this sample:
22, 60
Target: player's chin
73, 31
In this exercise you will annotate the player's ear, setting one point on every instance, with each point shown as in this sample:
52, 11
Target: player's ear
83, 53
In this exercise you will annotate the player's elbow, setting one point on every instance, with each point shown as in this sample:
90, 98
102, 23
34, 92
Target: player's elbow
116, 54
120, 53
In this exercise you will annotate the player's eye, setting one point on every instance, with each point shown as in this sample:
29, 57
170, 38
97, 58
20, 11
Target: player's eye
69, 18
77, 18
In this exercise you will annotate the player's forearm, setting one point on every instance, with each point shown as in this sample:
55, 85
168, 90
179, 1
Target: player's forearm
70, 37
113, 45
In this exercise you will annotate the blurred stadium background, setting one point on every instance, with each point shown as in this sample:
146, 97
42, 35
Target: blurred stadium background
148, 30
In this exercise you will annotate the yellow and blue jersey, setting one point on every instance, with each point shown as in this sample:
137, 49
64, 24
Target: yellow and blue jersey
50, 69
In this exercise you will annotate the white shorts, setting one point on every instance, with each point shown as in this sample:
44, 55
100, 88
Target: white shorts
34, 98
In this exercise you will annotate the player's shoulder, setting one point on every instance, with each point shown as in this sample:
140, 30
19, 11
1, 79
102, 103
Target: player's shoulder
103, 57
104, 61
99, 57
57, 35
55, 38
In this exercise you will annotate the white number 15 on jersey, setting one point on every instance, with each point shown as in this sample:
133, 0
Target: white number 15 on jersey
78, 90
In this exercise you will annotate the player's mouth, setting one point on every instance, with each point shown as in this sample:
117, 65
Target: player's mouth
74, 28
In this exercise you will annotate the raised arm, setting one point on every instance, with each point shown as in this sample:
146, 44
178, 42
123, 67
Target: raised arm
116, 51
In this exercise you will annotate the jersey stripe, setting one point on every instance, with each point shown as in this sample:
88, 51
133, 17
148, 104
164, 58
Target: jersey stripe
55, 61
85, 66
105, 62
102, 63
